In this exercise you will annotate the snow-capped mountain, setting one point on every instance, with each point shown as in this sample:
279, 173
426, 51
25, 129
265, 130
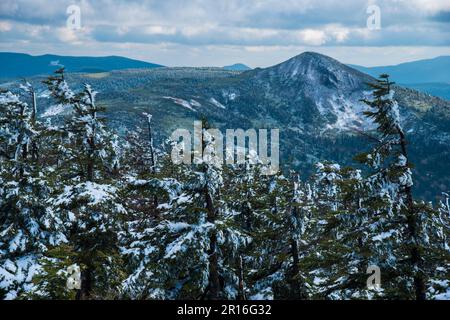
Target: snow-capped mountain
334, 88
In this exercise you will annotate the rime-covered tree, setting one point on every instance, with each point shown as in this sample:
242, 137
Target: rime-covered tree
397, 218
340, 243
24, 190
437, 241
190, 251
273, 212
247, 194
86, 204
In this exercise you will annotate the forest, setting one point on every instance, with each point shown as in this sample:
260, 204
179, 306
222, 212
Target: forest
79, 200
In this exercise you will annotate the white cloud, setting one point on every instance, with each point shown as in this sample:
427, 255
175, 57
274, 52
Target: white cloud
429, 6
5, 26
163, 30
73, 36
312, 37
210, 32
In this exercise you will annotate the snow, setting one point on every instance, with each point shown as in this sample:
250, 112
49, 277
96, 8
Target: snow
21, 271
402, 161
217, 103
318, 280
229, 95
349, 113
194, 103
18, 242
55, 110
94, 192
265, 294
148, 116
177, 226
384, 235
181, 102
406, 179
9, 98
445, 295
181, 244
64, 89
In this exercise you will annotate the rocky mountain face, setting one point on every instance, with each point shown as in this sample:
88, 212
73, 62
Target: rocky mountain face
313, 99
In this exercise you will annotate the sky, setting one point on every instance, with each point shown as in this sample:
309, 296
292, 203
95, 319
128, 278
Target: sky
258, 33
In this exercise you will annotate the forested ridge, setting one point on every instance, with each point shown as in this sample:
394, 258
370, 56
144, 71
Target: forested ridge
76, 195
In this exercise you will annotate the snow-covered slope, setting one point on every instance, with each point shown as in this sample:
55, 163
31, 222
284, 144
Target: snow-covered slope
334, 88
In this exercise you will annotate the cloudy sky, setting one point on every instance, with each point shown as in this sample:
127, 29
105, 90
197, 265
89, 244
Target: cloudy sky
221, 32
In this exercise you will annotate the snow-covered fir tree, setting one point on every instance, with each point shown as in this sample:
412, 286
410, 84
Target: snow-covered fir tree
247, 194
397, 222
190, 250
86, 206
24, 190
340, 243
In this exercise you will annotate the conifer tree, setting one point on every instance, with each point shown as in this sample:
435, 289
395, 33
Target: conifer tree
437, 228
247, 194
399, 222
273, 212
340, 241
24, 189
189, 250
86, 206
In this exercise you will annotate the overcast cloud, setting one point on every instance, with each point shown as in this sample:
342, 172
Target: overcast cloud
219, 32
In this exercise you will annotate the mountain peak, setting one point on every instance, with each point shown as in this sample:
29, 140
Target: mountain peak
312, 55
237, 67
317, 70
308, 62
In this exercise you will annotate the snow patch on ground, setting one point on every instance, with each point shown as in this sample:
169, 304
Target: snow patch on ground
229, 95
349, 114
181, 102
217, 103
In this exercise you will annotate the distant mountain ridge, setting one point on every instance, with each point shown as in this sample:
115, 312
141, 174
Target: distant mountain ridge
237, 67
431, 76
421, 71
15, 65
